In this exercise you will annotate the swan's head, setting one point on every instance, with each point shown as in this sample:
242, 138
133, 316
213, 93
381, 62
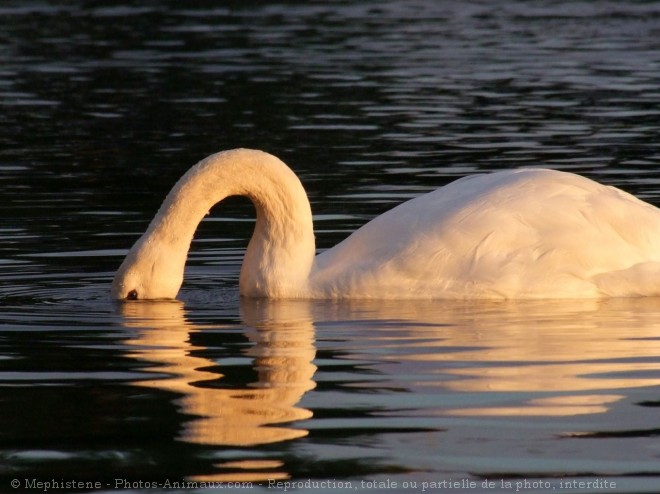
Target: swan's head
149, 272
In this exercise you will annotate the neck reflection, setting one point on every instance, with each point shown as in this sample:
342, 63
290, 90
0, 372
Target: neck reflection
282, 338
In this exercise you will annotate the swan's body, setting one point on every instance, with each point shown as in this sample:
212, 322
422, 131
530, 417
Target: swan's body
527, 233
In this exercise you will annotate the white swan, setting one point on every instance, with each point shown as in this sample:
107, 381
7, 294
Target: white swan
527, 233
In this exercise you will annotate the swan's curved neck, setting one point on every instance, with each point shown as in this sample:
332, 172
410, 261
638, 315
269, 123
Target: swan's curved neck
281, 251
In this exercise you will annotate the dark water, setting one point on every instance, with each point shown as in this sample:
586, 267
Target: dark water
105, 104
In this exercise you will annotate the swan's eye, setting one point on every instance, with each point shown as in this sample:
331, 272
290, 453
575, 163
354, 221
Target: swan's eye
132, 295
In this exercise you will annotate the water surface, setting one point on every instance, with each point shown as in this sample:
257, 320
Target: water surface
104, 105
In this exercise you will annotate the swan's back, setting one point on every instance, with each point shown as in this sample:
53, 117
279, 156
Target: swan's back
529, 233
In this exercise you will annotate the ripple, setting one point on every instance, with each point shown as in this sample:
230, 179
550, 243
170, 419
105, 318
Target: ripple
371, 104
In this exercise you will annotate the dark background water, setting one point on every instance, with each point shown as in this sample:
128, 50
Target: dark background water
104, 105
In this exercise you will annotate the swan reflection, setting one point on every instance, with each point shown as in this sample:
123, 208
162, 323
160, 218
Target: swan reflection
282, 350
537, 358
532, 358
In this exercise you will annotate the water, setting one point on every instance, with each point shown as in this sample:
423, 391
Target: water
104, 105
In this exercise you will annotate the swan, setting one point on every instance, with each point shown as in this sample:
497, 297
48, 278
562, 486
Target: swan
517, 234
